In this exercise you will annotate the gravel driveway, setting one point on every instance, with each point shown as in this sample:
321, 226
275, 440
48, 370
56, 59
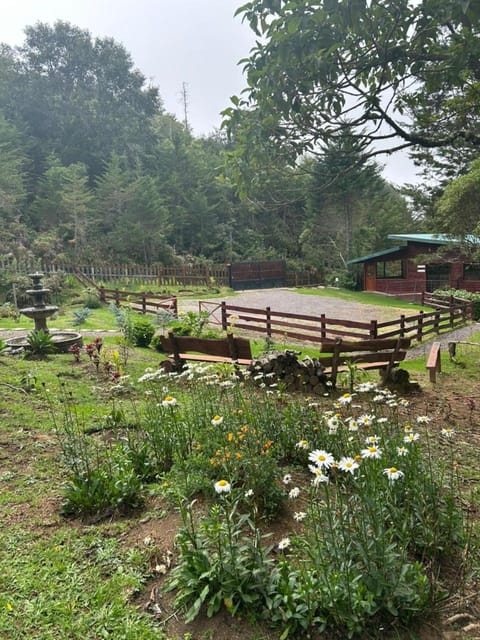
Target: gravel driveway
305, 304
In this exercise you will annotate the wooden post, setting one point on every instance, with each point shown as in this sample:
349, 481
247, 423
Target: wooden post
323, 327
144, 303
117, 297
224, 315
102, 294
402, 325
268, 323
373, 329
436, 321
420, 326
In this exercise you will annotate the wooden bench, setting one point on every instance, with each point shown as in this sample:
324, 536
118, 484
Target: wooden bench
434, 364
383, 354
183, 348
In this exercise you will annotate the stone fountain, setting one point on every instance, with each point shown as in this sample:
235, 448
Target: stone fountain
39, 312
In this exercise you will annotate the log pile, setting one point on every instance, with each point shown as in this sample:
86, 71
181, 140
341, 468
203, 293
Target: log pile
286, 371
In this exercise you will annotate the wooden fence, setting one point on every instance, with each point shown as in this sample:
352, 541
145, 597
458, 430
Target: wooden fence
143, 302
154, 275
138, 301
299, 327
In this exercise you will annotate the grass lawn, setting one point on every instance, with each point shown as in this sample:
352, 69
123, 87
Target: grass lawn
362, 297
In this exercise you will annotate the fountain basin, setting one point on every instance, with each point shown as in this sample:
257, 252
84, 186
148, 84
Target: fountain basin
38, 312
62, 340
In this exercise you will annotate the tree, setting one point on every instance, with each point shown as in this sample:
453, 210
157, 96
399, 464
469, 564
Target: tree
78, 97
457, 211
350, 207
394, 74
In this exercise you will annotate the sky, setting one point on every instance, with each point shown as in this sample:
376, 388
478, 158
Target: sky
196, 44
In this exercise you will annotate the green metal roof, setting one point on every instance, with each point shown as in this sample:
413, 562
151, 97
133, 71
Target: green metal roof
432, 238
377, 254
426, 238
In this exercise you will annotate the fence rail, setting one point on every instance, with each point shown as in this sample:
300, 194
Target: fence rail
143, 302
314, 329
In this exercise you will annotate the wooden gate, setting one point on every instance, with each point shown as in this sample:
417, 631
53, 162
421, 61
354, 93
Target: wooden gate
257, 275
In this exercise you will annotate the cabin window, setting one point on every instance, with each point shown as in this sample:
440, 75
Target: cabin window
471, 271
390, 269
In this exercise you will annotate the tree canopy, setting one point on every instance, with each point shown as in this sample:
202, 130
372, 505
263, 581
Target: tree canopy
394, 74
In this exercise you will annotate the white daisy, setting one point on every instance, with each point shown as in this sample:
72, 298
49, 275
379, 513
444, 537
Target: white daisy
371, 452
321, 458
284, 544
222, 486
448, 432
393, 473
302, 444
348, 465
299, 516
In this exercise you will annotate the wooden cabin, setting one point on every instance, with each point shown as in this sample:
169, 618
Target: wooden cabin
424, 263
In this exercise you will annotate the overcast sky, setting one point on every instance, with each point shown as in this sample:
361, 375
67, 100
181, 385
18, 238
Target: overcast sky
172, 42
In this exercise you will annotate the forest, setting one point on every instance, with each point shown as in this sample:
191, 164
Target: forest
92, 167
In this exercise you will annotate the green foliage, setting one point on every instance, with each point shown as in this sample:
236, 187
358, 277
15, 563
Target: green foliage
141, 331
7, 310
456, 211
91, 299
40, 343
190, 323
80, 316
320, 71
465, 295
222, 562
111, 485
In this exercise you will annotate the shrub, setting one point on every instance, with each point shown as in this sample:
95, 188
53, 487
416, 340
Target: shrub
40, 343
7, 310
91, 299
465, 295
80, 316
141, 332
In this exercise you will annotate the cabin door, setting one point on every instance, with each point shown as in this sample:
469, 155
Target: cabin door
438, 276
370, 277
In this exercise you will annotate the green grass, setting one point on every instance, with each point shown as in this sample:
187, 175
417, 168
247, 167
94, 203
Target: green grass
361, 297
73, 585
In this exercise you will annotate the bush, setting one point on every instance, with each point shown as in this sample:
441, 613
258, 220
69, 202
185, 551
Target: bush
465, 295
141, 332
91, 299
7, 310
80, 316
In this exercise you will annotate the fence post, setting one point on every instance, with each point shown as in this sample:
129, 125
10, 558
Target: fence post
224, 315
420, 327
103, 297
268, 323
436, 321
323, 327
117, 297
422, 299
402, 325
175, 306
144, 303
373, 329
